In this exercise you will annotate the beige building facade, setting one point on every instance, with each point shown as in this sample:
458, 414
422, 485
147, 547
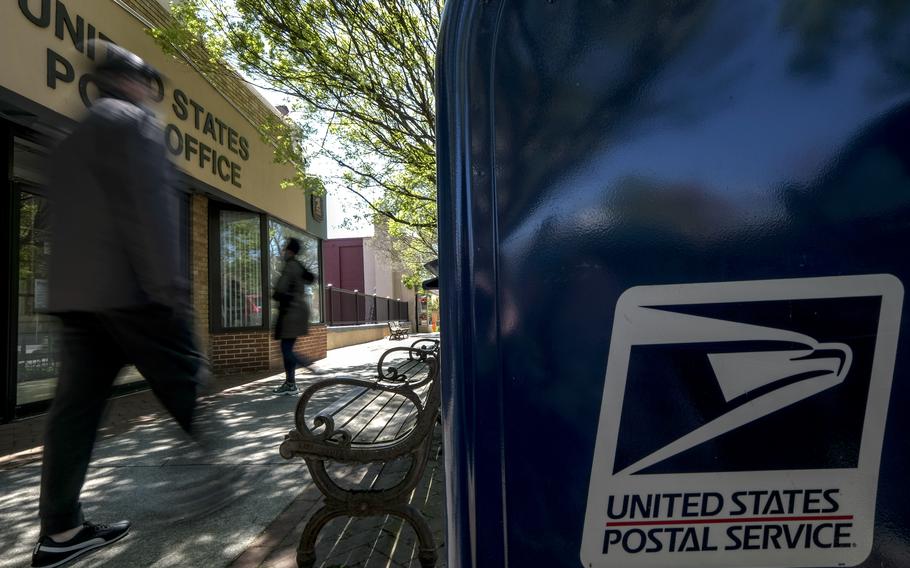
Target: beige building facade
235, 213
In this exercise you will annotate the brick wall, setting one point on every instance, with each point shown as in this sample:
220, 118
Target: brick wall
248, 351
313, 346
240, 352
199, 267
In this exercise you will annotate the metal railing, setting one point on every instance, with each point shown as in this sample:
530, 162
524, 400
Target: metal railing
346, 307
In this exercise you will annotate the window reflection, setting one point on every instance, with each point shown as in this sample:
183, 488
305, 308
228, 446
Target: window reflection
38, 339
309, 256
241, 276
37, 361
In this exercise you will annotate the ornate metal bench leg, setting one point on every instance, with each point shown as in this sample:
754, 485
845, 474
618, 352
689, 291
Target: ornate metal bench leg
427, 553
427, 558
306, 550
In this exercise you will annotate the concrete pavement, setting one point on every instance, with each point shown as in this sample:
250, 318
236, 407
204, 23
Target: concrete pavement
132, 472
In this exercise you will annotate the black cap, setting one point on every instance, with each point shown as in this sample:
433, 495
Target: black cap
293, 245
119, 61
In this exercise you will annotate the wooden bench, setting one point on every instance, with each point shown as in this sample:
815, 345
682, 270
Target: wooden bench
380, 421
399, 329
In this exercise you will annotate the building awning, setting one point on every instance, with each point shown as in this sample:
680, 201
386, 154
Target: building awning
432, 283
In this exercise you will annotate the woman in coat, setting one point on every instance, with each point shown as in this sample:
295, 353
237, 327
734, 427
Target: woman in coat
293, 312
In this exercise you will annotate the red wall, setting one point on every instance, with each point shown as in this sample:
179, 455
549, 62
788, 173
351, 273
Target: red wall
342, 263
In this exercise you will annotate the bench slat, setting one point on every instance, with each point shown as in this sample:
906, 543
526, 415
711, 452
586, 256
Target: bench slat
396, 405
370, 413
344, 417
403, 421
368, 416
394, 426
345, 408
343, 402
410, 368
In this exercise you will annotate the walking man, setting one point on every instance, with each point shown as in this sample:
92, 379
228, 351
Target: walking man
293, 313
116, 286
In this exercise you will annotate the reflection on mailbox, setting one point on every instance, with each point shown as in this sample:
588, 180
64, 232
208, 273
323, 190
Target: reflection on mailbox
672, 269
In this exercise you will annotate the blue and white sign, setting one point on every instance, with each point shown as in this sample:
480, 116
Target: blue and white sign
742, 424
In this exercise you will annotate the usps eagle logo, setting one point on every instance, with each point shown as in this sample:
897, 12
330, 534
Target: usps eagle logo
730, 411
747, 372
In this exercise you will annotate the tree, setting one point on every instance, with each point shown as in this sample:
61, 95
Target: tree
361, 71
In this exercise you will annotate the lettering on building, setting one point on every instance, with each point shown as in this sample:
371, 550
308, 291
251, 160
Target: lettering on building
201, 139
212, 128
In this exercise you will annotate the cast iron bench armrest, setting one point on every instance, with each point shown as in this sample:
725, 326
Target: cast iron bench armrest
413, 377
427, 344
404, 370
324, 441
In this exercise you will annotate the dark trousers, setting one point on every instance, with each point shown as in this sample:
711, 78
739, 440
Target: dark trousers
95, 346
291, 360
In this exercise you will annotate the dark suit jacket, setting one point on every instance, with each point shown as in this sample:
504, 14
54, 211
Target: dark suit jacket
293, 310
114, 214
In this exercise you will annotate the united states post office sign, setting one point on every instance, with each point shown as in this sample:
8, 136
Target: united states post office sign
742, 424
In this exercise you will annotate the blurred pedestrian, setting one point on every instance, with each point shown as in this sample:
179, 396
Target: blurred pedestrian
116, 286
293, 313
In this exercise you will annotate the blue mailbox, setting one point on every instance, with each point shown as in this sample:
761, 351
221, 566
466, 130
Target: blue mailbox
673, 253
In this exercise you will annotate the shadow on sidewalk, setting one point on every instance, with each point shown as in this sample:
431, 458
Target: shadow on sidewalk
136, 466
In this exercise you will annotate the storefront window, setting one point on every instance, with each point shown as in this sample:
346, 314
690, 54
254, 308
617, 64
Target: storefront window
37, 348
38, 334
241, 269
309, 256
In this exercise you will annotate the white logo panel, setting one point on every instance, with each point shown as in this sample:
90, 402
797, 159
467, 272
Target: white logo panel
742, 424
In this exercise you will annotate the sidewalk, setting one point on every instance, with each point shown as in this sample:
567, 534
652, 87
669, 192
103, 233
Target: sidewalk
140, 455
